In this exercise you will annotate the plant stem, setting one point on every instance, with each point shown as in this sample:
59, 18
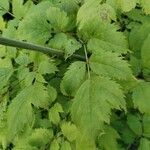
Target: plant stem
87, 61
35, 47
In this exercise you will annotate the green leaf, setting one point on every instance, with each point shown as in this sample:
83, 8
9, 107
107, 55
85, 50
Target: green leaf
145, 53
69, 131
39, 96
138, 33
146, 6
65, 146
19, 113
4, 6
20, 9
134, 124
22, 59
52, 93
126, 5
36, 24
47, 66
54, 113
65, 43
2, 23
110, 64
58, 21
6, 71
144, 144
85, 143
93, 103
141, 96
40, 137
58, 41
54, 145
73, 78
146, 128
69, 6
110, 135
71, 46
96, 45
5, 74
20, 110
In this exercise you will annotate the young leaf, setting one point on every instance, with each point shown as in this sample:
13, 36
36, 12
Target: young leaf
110, 135
110, 64
144, 144
96, 45
126, 5
40, 137
69, 131
4, 6
54, 113
65, 146
73, 78
93, 103
141, 96
134, 124
39, 29
146, 128
58, 21
145, 55
20, 110
54, 145
20, 9
146, 6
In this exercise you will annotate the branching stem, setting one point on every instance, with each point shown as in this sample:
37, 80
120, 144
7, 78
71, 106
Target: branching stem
35, 47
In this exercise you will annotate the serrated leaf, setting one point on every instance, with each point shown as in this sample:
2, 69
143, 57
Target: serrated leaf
58, 21
54, 113
4, 6
54, 145
69, 131
20, 110
71, 46
47, 66
146, 128
93, 103
110, 135
52, 93
65, 43
134, 124
40, 137
110, 64
20, 9
146, 6
5, 74
6, 71
69, 6
2, 23
36, 24
138, 33
22, 59
96, 45
39, 96
58, 41
141, 96
73, 78
126, 5
65, 146
144, 144
85, 142
145, 53
19, 113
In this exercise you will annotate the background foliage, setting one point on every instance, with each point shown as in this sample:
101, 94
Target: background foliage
53, 103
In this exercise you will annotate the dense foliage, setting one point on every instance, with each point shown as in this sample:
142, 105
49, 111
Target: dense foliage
54, 103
